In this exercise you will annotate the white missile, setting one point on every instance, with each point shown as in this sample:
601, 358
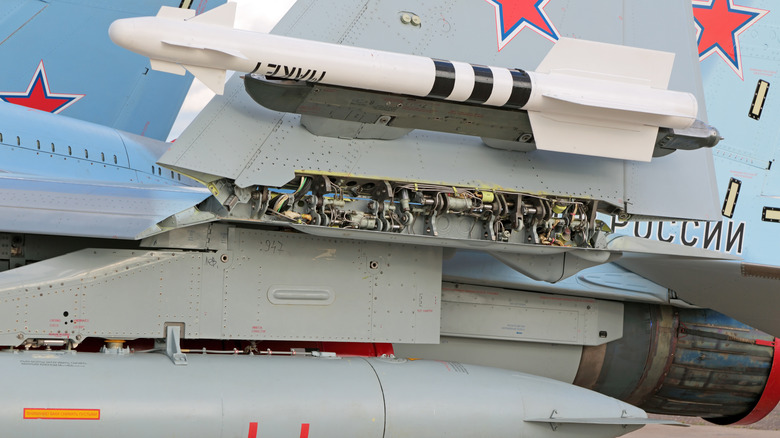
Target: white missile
585, 98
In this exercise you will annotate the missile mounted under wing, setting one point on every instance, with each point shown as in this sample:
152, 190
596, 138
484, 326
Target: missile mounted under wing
376, 222
596, 99
585, 98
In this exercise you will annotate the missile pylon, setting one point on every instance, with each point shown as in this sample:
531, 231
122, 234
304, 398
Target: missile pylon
583, 96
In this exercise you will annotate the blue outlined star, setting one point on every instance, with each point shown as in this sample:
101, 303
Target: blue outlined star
719, 24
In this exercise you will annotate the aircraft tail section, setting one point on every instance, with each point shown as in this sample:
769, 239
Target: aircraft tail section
64, 62
740, 99
742, 102
737, 74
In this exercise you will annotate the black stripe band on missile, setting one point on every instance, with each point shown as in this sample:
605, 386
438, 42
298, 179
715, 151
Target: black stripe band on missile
483, 85
444, 83
521, 89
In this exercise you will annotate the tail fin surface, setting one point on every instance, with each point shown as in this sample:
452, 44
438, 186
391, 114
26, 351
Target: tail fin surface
62, 61
737, 71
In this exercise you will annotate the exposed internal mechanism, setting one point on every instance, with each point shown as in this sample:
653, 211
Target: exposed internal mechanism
417, 210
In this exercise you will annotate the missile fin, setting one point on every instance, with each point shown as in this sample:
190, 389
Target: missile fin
168, 67
175, 13
224, 15
213, 78
231, 52
583, 136
632, 105
622, 421
227, 51
609, 61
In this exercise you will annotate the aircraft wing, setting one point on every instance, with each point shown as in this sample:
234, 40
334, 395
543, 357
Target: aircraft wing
47, 205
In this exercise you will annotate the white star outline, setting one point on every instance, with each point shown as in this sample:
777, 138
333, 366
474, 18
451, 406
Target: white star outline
27, 93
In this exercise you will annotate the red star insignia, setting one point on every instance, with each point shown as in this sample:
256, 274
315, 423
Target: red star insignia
38, 95
719, 24
512, 16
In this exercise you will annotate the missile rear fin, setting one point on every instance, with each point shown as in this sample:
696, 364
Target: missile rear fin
175, 13
582, 122
576, 135
618, 63
168, 67
213, 78
224, 15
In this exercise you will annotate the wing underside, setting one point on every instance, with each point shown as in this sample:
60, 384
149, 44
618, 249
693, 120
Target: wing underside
81, 208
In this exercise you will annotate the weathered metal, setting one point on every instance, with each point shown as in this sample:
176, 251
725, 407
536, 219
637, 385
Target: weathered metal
692, 362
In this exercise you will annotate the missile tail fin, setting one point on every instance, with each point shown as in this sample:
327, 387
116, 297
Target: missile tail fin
168, 67
175, 13
213, 78
574, 135
224, 15
213, 47
608, 61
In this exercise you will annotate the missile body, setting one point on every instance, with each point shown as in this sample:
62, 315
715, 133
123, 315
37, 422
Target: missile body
68, 394
579, 83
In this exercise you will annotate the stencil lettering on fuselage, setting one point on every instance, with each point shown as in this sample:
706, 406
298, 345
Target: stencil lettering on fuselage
726, 236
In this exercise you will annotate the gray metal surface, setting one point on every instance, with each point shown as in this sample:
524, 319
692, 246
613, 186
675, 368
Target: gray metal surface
268, 147
256, 285
608, 281
37, 205
554, 361
239, 396
491, 313
744, 291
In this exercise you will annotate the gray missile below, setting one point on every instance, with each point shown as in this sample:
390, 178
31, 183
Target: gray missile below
121, 394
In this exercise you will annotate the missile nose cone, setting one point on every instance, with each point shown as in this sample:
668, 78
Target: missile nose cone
121, 32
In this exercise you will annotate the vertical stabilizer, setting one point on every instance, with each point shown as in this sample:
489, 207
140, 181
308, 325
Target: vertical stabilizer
64, 62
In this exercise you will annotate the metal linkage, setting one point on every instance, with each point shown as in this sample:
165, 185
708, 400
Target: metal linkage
418, 209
